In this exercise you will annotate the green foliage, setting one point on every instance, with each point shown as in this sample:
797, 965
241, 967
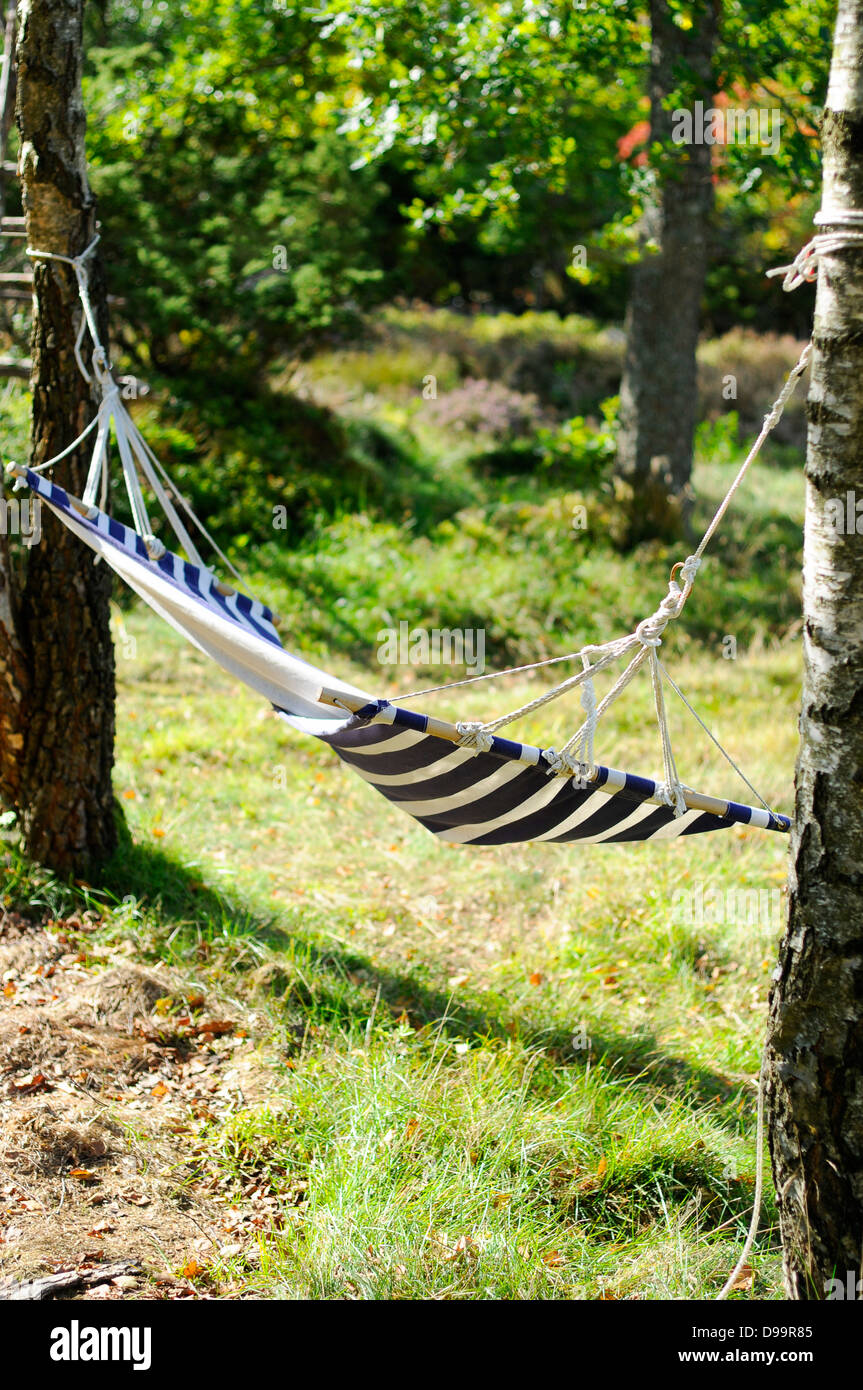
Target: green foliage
578, 449
237, 231
275, 463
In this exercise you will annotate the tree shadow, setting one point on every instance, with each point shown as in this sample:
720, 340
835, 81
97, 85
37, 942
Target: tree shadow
345, 987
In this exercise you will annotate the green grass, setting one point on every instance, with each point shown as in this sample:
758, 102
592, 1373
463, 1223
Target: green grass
507, 1073
495, 1073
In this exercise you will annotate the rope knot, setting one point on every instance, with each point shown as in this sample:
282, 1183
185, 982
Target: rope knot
671, 795
690, 567
802, 270
476, 737
565, 765
649, 631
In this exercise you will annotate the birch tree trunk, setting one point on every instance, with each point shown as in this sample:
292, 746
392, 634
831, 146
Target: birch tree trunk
658, 393
815, 1047
56, 656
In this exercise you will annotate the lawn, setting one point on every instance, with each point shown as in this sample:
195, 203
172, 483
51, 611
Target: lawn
525, 1072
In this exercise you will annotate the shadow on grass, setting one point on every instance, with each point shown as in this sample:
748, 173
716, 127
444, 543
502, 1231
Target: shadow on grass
639, 1195
344, 988
309, 980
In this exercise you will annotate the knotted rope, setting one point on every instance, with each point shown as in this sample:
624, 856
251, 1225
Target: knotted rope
804, 267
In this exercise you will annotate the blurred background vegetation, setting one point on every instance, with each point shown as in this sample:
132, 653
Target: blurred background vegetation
342, 244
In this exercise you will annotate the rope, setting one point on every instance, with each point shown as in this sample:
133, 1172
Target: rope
804, 267
476, 737
726, 755
79, 265
134, 451
759, 1186
612, 650
647, 636
649, 632
69, 448
771, 420
671, 789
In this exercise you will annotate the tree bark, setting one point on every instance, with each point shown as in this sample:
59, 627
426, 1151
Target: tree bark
815, 1045
658, 393
56, 656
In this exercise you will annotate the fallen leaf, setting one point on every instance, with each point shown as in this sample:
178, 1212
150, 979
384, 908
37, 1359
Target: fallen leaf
745, 1279
26, 1084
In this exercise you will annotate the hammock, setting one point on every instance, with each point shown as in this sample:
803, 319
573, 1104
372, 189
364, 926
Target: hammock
463, 782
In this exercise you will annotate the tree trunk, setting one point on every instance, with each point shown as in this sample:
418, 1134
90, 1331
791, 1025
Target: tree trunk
56, 656
658, 393
815, 1047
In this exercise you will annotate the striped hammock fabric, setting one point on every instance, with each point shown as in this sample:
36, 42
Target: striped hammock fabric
503, 796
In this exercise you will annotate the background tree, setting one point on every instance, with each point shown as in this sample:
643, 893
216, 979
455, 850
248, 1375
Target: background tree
659, 390
815, 1057
239, 233
56, 656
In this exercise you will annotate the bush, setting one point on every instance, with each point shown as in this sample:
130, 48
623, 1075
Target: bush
485, 407
759, 364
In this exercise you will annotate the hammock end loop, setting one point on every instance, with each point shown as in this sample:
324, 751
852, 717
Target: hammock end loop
14, 470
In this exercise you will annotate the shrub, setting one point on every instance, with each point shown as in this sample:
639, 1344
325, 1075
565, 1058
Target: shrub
485, 407
759, 364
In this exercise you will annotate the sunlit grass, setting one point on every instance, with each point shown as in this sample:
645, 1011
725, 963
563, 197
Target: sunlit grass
524, 1072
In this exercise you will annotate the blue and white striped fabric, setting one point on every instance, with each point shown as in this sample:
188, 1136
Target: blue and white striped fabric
503, 796
506, 796
103, 532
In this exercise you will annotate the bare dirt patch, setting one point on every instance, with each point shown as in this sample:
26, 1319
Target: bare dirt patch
108, 1071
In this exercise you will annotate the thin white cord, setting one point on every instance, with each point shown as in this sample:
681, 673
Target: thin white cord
759, 1186
129, 439
694, 712
69, 448
649, 631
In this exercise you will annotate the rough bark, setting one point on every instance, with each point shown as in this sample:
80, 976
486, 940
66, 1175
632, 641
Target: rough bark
815, 1047
56, 656
658, 394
